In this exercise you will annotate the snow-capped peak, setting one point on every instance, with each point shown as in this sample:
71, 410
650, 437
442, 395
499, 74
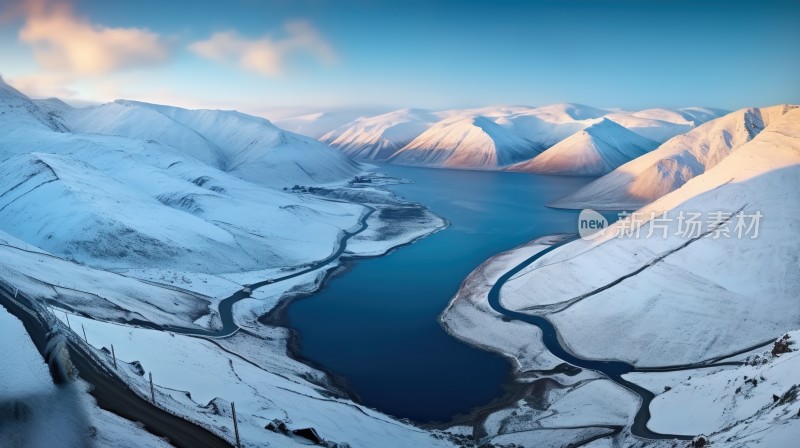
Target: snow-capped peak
595, 150
476, 142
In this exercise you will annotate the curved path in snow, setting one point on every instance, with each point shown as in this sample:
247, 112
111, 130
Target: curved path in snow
229, 326
114, 395
612, 369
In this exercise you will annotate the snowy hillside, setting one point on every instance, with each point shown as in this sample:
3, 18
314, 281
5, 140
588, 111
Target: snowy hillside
37, 413
752, 405
137, 222
471, 142
593, 151
117, 209
249, 147
675, 162
115, 202
712, 282
380, 136
695, 297
662, 124
18, 111
494, 137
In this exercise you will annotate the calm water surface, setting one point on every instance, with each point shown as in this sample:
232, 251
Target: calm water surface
376, 325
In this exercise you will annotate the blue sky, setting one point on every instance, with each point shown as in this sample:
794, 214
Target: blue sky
256, 55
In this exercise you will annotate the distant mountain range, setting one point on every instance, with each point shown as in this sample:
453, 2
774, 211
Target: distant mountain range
505, 137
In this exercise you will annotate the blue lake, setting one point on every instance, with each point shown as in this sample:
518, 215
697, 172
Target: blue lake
377, 326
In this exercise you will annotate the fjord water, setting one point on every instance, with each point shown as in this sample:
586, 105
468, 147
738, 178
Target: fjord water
377, 325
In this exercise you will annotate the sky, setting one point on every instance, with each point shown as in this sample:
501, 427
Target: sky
266, 56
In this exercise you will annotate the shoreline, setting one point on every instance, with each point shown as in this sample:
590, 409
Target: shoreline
278, 317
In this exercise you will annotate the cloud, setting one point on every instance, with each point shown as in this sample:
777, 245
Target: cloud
66, 43
267, 56
44, 85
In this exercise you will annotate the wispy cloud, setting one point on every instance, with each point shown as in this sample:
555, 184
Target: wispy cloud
43, 85
63, 42
269, 56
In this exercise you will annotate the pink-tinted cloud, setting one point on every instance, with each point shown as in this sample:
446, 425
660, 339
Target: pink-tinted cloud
63, 42
268, 56
44, 85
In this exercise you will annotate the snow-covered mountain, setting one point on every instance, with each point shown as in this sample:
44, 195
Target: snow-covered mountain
711, 282
673, 163
662, 124
249, 147
115, 202
493, 137
593, 151
18, 111
380, 136
706, 295
466, 142
144, 225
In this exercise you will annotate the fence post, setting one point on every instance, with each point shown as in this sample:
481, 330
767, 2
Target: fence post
152, 391
84, 334
67, 316
235, 425
114, 356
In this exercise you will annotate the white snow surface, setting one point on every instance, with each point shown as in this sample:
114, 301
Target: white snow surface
465, 142
737, 407
706, 298
121, 203
672, 164
593, 151
182, 364
494, 137
378, 137
249, 147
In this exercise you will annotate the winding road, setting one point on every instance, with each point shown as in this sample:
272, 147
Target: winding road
112, 394
614, 370
225, 308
